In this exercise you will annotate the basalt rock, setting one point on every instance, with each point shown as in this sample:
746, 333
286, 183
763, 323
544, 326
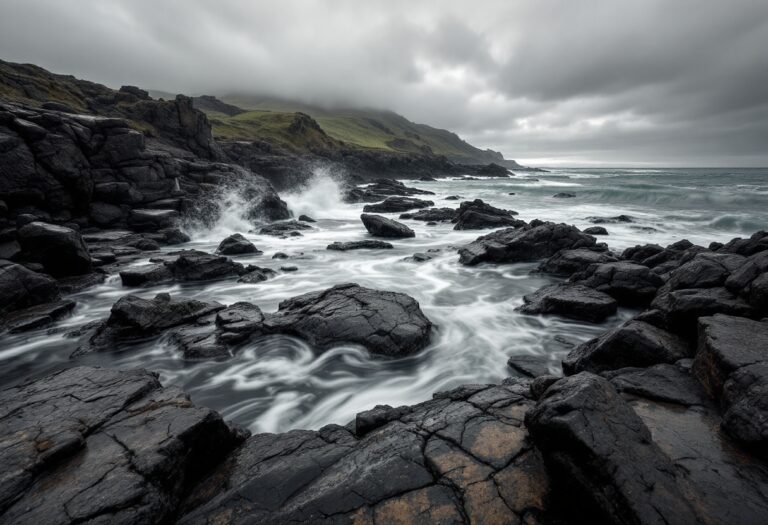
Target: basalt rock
681, 309
529, 243
379, 226
628, 283
36, 317
288, 228
758, 242
256, 274
237, 244
380, 189
477, 215
595, 230
567, 262
22, 288
570, 300
60, 250
397, 204
611, 220
97, 445
431, 214
359, 245
183, 266
633, 344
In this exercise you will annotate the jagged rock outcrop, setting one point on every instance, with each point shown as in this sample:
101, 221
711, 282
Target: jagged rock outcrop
628, 283
570, 300
183, 266
397, 204
477, 215
535, 241
431, 214
567, 262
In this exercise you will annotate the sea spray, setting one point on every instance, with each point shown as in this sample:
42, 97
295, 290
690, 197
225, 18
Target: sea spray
321, 196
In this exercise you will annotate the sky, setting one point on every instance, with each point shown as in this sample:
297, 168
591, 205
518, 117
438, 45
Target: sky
546, 82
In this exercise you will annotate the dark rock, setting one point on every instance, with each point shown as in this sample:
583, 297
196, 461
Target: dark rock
256, 275
380, 189
540, 384
236, 244
10, 250
97, 445
386, 323
758, 242
595, 230
666, 383
60, 250
173, 236
599, 445
635, 343
535, 241
133, 319
529, 365
417, 461
36, 316
610, 220
477, 215
22, 288
397, 204
453, 197
705, 270
418, 258
431, 215
567, 262
152, 220
281, 229
280, 255
628, 283
289, 268
563, 195
187, 266
681, 309
382, 227
570, 300
750, 281
640, 253
306, 218
359, 245
105, 214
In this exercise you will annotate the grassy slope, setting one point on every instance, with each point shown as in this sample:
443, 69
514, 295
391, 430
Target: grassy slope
267, 119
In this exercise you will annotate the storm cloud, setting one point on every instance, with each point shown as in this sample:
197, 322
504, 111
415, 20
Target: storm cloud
676, 82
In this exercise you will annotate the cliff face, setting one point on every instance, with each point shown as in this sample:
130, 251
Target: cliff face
74, 151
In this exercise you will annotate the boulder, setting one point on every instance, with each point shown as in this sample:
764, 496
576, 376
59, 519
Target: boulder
397, 204
379, 226
610, 220
152, 219
605, 454
628, 283
570, 300
380, 189
705, 270
282, 229
681, 309
758, 242
563, 195
60, 250
567, 262
185, 266
237, 244
306, 218
386, 323
529, 243
529, 365
104, 446
133, 319
750, 281
22, 288
431, 215
256, 274
36, 317
595, 230
633, 344
359, 245
477, 215
418, 257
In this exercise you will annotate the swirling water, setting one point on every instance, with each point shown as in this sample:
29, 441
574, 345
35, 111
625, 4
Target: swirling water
277, 383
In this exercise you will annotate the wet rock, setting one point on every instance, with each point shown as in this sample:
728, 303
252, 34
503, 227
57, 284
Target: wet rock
256, 274
453, 197
681, 309
236, 244
595, 230
386, 323
563, 195
282, 229
97, 445
667, 383
462, 460
567, 262
289, 268
397, 204
529, 365
595, 441
705, 270
633, 344
570, 300
359, 245
306, 218
641, 253
280, 255
477, 215
379, 226
535, 241
611, 220
133, 318
60, 250
750, 281
540, 384
758, 242
418, 257
431, 215
152, 220
380, 189
36, 317
628, 283
22, 288
186, 266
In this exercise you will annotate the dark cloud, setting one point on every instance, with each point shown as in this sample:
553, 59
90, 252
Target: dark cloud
676, 82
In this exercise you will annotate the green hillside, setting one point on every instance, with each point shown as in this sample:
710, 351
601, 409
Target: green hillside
271, 120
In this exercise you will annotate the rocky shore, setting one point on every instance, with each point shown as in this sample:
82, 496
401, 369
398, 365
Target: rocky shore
661, 420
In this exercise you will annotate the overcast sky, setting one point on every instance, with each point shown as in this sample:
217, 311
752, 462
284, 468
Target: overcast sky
676, 82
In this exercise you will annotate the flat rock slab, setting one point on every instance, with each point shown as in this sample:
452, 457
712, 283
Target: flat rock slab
397, 204
431, 214
567, 262
628, 283
463, 457
530, 243
570, 300
183, 266
36, 316
287, 228
103, 446
359, 245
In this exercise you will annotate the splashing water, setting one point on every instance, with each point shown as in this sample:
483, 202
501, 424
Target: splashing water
321, 196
